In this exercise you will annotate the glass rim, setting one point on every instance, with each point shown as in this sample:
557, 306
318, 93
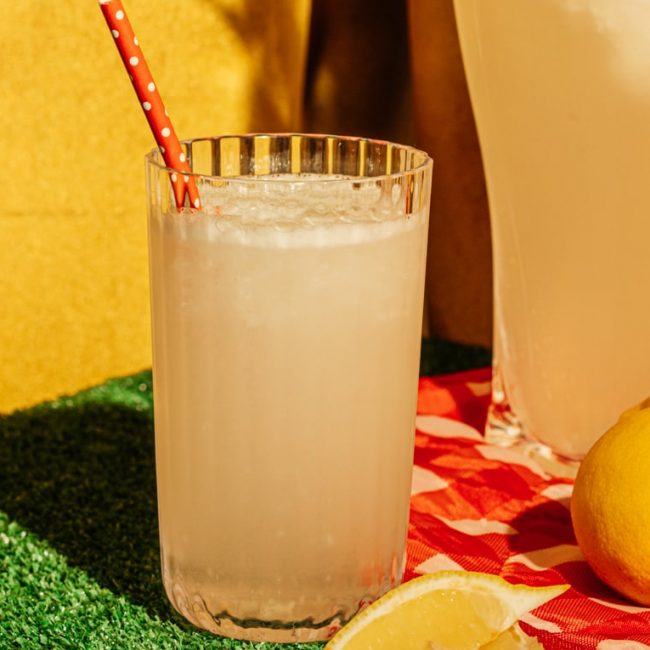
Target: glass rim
154, 157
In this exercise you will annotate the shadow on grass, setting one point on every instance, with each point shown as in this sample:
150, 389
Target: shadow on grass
80, 474
439, 357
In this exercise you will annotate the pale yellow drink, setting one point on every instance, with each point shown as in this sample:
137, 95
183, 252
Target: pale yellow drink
287, 333
561, 95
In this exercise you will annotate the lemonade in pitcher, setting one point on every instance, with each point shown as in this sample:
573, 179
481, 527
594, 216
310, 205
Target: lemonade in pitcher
561, 95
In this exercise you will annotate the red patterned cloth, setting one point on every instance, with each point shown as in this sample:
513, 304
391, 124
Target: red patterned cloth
479, 507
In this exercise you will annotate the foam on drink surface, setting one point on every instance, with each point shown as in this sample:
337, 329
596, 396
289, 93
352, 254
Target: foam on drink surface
294, 211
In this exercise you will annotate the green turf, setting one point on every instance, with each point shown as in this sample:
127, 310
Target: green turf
440, 357
79, 563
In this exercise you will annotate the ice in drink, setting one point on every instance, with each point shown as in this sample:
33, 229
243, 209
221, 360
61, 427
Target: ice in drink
561, 95
286, 351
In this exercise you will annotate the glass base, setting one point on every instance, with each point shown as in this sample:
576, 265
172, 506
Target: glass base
194, 609
503, 429
272, 631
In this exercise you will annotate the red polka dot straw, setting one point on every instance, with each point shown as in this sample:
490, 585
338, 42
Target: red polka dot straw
150, 100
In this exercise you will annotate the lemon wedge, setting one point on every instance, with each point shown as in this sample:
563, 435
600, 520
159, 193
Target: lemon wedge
514, 638
448, 610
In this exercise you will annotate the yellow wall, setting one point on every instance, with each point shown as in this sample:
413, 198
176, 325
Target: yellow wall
73, 268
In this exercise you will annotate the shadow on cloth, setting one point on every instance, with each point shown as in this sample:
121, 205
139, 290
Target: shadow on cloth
82, 478
546, 541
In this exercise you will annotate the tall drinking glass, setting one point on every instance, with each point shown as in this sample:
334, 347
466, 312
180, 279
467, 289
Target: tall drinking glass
286, 325
561, 95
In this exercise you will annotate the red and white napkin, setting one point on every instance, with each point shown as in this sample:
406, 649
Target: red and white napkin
478, 507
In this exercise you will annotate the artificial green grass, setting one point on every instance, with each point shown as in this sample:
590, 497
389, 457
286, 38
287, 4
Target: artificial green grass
79, 554
439, 357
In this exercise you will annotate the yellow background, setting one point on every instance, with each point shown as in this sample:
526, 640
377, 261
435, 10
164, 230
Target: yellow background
73, 266
73, 251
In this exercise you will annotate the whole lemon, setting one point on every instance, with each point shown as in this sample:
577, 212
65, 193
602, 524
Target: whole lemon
610, 506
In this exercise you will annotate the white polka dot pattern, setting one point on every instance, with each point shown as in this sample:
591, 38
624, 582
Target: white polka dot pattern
151, 102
